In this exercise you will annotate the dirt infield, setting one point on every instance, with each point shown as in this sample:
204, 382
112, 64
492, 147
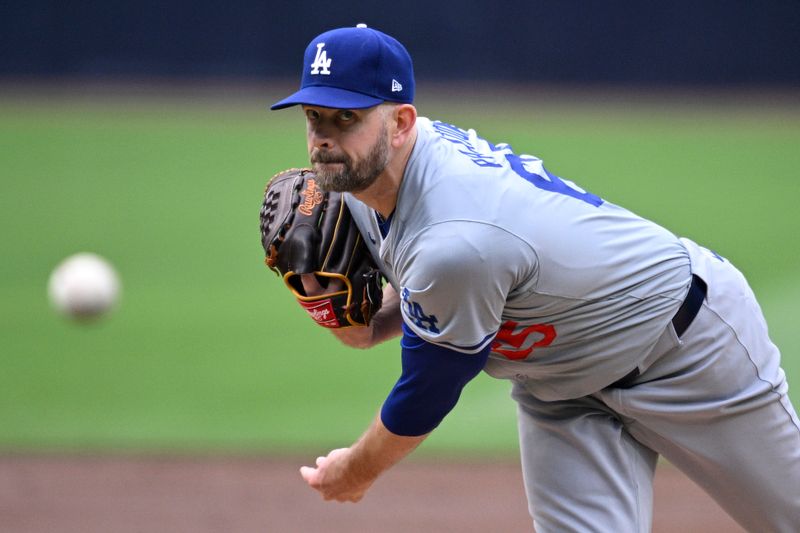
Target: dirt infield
121, 494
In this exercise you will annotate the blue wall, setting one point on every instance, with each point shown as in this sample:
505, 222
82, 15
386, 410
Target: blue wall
674, 42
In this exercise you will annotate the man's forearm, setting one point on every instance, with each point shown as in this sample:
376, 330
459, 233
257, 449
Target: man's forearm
379, 449
346, 474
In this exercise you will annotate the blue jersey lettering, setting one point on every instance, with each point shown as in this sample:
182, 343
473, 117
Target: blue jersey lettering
546, 182
415, 313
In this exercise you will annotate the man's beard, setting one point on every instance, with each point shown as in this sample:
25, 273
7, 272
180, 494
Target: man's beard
349, 177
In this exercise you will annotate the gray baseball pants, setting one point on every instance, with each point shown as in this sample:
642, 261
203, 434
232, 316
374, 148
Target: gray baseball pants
713, 402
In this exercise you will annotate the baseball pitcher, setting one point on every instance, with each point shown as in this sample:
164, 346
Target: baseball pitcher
623, 341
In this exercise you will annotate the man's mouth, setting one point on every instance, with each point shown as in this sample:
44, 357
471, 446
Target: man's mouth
326, 159
323, 164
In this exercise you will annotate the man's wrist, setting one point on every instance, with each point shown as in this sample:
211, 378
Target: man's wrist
379, 449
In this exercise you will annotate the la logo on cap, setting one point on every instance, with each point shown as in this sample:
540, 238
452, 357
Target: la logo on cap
321, 64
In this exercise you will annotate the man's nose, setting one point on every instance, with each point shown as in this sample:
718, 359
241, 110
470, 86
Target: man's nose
320, 138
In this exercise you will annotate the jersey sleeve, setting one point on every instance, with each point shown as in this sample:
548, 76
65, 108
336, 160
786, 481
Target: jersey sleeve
457, 281
429, 386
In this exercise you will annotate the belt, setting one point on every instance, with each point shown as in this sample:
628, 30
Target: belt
690, 306
681, 321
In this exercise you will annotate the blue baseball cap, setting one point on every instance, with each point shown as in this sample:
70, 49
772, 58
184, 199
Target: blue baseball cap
354, 68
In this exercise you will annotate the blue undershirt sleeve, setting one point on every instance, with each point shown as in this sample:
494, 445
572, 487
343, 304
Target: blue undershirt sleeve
430, 384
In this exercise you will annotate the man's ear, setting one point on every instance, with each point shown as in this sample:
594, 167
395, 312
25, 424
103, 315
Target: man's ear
405, 117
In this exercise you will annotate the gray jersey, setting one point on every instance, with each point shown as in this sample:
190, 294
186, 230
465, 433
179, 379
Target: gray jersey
486, 246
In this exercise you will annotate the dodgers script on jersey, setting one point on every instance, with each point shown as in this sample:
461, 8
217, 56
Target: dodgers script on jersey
487, 246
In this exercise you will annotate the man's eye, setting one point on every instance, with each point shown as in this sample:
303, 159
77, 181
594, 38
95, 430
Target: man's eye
311, 114
346, 115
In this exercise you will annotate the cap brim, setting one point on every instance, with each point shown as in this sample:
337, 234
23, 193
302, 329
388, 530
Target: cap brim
328, 97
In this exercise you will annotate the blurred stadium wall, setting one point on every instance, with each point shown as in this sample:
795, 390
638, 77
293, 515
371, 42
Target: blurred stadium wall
682, 42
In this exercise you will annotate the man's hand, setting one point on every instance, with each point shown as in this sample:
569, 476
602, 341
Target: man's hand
335, 479
385, 324
345, 474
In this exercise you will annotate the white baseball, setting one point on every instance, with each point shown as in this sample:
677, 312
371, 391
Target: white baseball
83, 285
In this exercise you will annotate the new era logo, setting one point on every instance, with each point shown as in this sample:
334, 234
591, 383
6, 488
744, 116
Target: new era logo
396, 86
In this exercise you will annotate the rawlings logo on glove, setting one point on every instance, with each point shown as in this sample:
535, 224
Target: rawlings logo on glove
305, 230
312, 197
321, 312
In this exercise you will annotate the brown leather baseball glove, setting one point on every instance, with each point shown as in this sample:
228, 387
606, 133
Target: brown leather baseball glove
305, 230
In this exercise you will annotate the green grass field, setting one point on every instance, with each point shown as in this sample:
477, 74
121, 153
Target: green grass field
207, 350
